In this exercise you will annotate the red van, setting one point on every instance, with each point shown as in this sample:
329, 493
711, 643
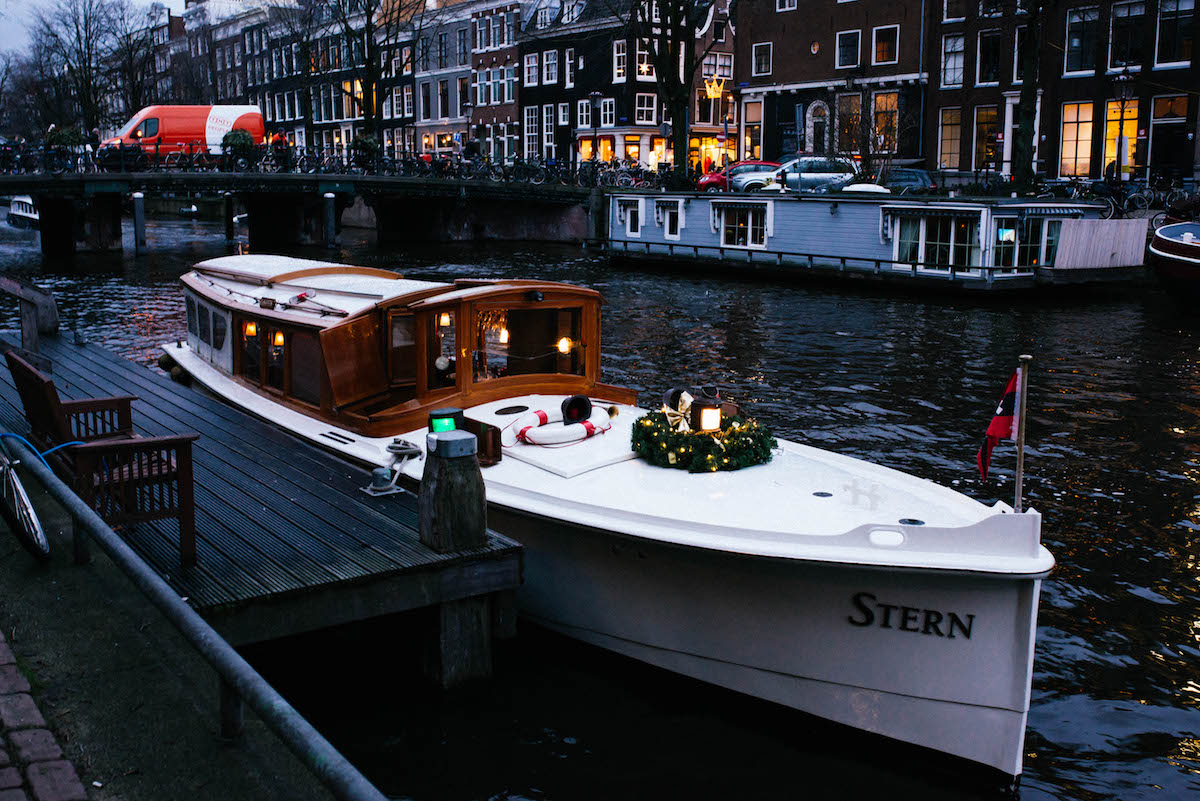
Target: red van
172, 129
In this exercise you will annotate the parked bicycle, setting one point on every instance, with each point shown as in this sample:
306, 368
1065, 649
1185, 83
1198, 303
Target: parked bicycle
16, 508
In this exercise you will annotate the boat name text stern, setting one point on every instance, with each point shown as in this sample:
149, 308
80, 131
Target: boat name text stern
908, 618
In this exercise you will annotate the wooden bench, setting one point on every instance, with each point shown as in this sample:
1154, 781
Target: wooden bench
125, 477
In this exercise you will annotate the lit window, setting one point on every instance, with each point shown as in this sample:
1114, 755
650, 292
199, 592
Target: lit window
1076, 151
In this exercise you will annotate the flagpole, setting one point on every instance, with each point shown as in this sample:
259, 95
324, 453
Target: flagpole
1022, 391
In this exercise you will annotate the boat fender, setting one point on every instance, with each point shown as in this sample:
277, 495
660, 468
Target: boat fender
534, 428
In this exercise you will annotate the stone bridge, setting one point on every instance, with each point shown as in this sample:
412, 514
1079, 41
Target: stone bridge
84, 210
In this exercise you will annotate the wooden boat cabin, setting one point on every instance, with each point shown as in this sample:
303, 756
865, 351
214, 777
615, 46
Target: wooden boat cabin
375, 352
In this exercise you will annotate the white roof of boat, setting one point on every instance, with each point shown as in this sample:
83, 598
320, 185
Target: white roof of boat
339, 287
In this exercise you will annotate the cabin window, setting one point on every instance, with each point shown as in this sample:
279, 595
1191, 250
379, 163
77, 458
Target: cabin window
527, 341
443, 355
205, 325
1028, 242
219, 328
276, 340
304, 355
191, 316
402, 359
251, 350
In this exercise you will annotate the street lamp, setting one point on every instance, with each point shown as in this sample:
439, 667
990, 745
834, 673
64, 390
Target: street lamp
594, 97
1124, 90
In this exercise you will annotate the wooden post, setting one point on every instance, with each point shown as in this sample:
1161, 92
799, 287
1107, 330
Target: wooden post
39, 313
1022, 390
330, 221
452, 516
139, 223
229, 232
451, 506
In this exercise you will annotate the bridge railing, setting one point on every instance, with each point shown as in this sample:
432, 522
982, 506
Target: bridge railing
195, 156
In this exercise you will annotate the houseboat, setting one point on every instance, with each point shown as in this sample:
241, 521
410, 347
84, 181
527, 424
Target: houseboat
817, 581
22, 213
961, 243
1175, 254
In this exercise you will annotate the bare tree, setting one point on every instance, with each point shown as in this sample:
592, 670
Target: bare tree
302, 24
666, 31
37, 94
873, 136
75, 36
131, 57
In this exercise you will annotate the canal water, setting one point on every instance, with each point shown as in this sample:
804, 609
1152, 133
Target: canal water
906, 381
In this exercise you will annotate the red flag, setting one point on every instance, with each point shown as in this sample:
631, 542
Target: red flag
1004, 424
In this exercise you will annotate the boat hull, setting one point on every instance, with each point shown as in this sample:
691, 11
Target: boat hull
1177, 260
873, 649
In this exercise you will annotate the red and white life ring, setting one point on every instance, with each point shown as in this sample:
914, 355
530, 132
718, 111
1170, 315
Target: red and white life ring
537, 428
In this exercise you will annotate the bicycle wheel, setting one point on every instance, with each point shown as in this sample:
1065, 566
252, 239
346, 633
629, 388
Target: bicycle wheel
1158, 220
1109, 208
19, 514
1136, 204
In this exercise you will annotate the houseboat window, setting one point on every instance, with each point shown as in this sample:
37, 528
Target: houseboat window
251, 350
402, 359
442, 350
219, 328
526, 341
938, 243
1029, 242
205, 325
304, 353
910, 240
1006, 243
1053, 231
276, 341
744, 227
633, 225
939, 239
671, 223
1018, 242
191, 315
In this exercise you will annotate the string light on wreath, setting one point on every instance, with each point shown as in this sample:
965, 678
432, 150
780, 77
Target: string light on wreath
699, 434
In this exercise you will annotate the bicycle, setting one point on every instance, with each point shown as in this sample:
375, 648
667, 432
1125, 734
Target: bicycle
16, 508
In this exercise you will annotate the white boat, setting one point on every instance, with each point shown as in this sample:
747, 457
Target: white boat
22, 213
824, 583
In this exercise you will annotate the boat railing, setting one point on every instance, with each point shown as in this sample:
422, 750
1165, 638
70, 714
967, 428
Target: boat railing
239, 680
767, 257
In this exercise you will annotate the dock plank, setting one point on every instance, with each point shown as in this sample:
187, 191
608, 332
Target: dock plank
280, 524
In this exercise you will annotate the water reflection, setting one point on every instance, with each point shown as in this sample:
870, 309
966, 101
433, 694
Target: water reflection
1113, 420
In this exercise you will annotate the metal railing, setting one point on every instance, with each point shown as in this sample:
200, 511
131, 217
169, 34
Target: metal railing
239, 681
766, 257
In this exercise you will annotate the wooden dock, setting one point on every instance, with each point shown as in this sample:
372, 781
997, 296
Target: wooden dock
287, 541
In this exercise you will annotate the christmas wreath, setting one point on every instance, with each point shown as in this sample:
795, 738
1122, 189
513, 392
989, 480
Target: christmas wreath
665, 439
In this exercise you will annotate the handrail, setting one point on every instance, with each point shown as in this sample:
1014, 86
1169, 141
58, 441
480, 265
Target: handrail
308, 744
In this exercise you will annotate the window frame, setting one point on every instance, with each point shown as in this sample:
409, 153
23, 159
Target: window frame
875, 45
1085, 71
998, 35
1167, 65
962, 55
837, 57
754, 50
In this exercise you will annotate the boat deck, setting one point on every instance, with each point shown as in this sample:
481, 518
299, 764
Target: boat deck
286, 540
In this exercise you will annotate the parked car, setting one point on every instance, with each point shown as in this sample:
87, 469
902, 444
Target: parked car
909, 179
804, 172
715, 181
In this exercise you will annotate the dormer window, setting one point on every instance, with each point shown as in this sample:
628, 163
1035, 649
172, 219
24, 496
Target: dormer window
572, 11
543, 18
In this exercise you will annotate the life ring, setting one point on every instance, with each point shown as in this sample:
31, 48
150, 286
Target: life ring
534, 428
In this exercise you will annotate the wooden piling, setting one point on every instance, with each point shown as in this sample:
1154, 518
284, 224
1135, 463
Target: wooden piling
451, 506
452, 516
330, 220
139, 223
229, 232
